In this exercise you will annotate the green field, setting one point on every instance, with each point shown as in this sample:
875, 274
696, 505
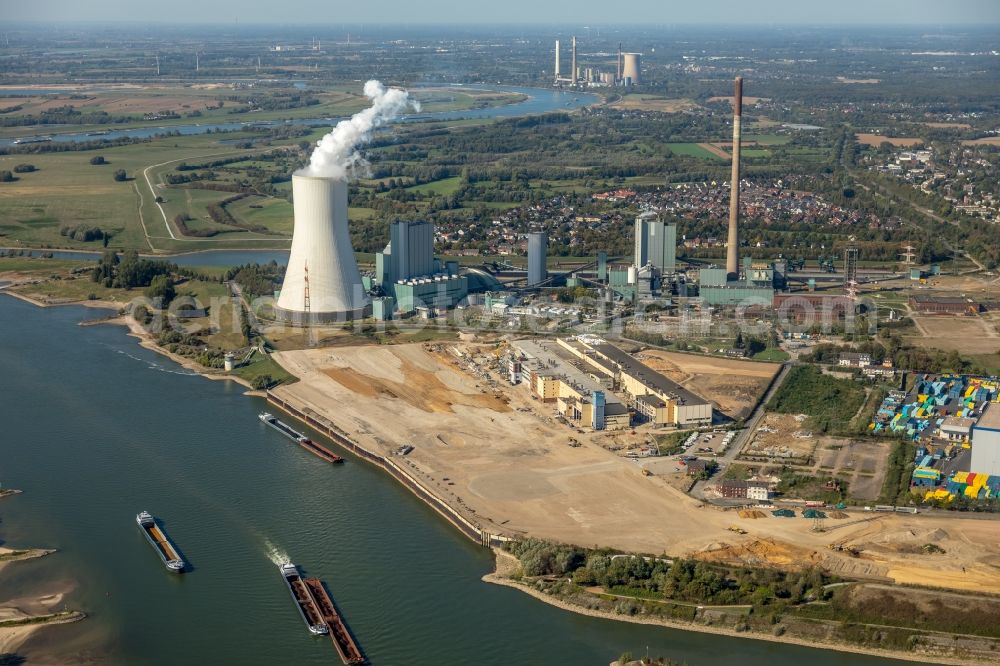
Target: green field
67, 191
443, 187
773, 355
692, 150
767, 139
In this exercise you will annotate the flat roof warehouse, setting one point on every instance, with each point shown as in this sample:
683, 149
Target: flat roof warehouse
649, 377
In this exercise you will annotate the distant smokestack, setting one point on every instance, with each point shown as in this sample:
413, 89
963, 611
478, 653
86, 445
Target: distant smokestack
618, 74
572, 66
557, 58
733, 242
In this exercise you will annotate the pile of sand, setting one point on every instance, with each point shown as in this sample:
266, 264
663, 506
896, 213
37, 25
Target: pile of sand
762, 552
752, 514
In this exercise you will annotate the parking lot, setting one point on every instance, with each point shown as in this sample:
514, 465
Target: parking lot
960, 463
709, 444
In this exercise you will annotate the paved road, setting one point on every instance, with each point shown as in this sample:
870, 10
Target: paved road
698, 490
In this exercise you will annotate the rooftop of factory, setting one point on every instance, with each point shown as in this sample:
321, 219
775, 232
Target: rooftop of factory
990, 420
652, 400
544, 359
604, 364
647, 375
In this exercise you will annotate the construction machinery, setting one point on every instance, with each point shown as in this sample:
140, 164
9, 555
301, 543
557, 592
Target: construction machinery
842, 547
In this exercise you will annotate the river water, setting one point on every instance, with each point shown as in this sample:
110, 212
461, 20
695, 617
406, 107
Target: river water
539, 100
97, 428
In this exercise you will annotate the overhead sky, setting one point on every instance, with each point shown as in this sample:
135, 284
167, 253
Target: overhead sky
578, 12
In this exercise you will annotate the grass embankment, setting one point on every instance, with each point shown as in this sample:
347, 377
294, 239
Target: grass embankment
262, 365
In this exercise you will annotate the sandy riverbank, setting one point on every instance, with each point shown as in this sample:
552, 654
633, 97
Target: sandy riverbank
44, 613
507, 564
8, 555
13, 637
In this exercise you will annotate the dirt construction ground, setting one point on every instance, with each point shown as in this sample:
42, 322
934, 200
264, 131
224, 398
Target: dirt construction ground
495, 454
966, 335
733, 385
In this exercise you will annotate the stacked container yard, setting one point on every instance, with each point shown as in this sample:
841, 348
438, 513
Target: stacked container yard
926, 476
940, 494
932, 399
958, 483
975, 485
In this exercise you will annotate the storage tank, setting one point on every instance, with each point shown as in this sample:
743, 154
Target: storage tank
632, 66
322, 281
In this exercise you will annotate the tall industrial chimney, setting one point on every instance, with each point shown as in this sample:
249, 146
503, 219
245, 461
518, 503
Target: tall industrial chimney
618, 73
572, 66
322, 281
733, 241
557, 60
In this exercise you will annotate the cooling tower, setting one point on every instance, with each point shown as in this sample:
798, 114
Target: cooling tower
322, 282
632, 66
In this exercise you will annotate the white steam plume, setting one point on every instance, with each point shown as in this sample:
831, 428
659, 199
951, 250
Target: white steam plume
335, 155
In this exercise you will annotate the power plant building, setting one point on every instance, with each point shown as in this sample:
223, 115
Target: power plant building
655, 243
322, 282
407, 271
537, 250
410, 252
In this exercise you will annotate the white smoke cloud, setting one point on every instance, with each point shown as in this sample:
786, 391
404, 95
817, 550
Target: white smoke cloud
336, 155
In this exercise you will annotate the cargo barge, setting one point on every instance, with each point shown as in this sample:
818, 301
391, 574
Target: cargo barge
346, 647
304, 600
312, 447
157, 538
